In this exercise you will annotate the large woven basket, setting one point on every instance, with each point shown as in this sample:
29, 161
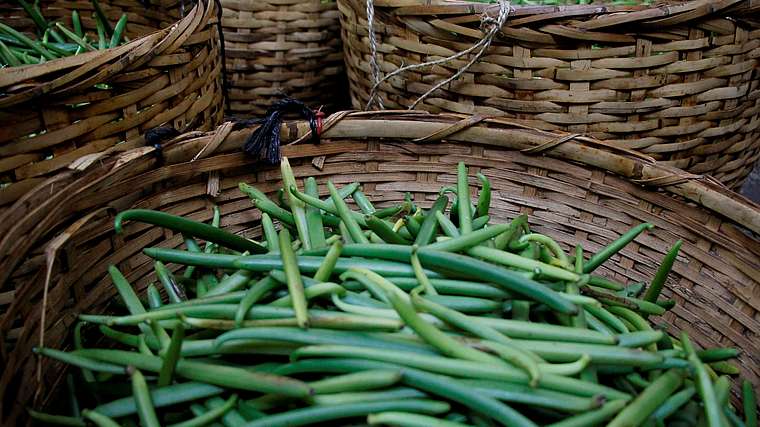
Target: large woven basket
56, 112
283, 47
574, 191
678, 81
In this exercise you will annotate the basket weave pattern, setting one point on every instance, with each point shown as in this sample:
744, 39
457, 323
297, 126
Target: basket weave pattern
680, 83
574, 193
283, 47
53, 113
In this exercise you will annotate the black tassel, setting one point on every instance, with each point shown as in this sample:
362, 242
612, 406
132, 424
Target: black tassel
264, 142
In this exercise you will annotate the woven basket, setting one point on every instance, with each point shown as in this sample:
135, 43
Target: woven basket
680, 83
53, 113
282, 47
576, 192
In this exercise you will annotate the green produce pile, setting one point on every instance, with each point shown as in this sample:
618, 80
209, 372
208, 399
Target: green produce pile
56, 40
398, 316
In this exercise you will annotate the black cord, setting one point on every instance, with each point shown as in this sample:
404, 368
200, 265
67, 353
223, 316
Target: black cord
156, 136
264, 142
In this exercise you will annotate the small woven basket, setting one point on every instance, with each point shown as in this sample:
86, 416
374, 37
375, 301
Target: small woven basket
282, 47
678, 81
55, 112
577, 191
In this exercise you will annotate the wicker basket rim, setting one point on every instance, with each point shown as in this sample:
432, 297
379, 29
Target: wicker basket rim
421, 127
98, 66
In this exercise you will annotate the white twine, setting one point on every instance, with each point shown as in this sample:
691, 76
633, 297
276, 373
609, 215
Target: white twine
489, 25
373, 54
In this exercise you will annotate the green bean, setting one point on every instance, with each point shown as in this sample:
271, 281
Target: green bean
363, 202
484, 198
429, 225
480, 222
270, 233
60, 420
132, 301
515, 227
653, 292
601, 282
7, 56
704, 385
295, 284
459, 368
102, 43
409, 419
208, 417
76, 23
600, 257
412, 225
225, 376
419, 273
591, 418
511, 260
175, 293
86, 373
521, 310
565, 402
232, 283
145, 409
608, 318
313, 216
639, 338
231, 417
368, 396
673, 403
320, 289
637, 321
297, 207
99, 420
384, 231
469, 240
463, 199
35, 14
732, 418
447, 226
345, 215
446, 286
188, 227
261, 201
568, 352
473, 268
326, 268
317, 414
26, 41
161, 397
142, 345
254, 294
171, 356
646, 403
102, 16
154, 297
551, 245
118, 30
358, 381
749, 402
74, 37
717, 354
393, 210
441, 341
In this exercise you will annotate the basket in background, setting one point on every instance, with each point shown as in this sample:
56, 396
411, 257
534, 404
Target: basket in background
677, 80
574, 190
55, 112
282, 48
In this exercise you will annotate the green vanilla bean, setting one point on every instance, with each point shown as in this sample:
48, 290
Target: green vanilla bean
600, 257
463, 199
295, 284
189, 228
314, 216
654, 289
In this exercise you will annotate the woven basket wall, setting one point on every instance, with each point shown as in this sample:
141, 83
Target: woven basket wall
575, 192
680, 83
53, 113
283, 47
